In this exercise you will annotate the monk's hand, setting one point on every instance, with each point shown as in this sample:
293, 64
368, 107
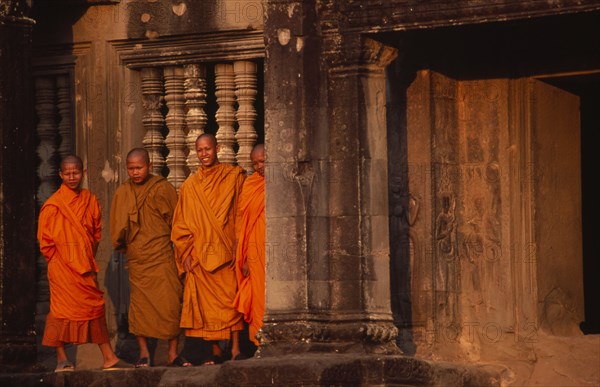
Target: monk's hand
245, 269
187, 264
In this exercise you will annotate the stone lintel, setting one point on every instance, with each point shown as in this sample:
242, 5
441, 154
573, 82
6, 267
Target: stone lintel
195, 48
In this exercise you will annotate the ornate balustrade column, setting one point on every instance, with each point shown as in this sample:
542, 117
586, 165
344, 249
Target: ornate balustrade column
225, 116
17, 191
176, 139
245, 91
327, 263
195, 118
153, 120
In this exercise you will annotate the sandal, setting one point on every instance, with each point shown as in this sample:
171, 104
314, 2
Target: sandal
142, 362
64, 366
212, 360
179, 362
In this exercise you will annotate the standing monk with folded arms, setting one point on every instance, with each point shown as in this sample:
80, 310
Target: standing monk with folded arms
69, 233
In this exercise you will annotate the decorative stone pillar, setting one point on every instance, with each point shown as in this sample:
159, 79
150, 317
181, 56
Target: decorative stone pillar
176, 139
17, 191
245, 91
153, 120
195, 118
326, 190
225, 116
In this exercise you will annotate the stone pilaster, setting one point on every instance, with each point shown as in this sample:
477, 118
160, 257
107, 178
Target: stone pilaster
17, 191
326, 199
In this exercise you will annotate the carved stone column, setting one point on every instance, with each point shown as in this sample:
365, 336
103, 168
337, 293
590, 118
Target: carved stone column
225, 116
176, 139
245, 91
195, 118
153, 120
17, 191
326, 190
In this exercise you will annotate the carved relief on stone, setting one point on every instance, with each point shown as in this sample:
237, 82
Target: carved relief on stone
47, 131
245, 91
225, 116
445, 227
176, 138
63, 92
153, 120
195, 100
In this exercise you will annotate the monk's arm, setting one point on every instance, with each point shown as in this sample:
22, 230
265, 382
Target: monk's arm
181, 235
46, 227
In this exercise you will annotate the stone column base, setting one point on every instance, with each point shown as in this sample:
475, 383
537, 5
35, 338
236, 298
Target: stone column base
376, 337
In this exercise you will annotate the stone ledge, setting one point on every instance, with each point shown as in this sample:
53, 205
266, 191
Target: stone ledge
290, 370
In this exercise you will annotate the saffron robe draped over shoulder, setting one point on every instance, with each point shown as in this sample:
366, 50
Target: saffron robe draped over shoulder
204, 227
140, 226
250, 232
69, 232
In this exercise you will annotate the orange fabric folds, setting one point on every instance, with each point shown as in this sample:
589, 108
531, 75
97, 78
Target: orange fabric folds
69, 232
140, 225
250, 225
204, 227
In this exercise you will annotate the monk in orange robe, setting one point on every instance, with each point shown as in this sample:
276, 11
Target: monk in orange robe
203, 234
250, 251
69, 232
140, 226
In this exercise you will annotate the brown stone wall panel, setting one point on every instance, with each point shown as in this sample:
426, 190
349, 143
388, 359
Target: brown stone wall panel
414, 208
485, 254
522, 202
556, 128
445, 155
151, 19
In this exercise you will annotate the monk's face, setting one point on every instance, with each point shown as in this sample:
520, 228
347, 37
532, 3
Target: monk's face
71, 175
206, 151
258, 161
138, 169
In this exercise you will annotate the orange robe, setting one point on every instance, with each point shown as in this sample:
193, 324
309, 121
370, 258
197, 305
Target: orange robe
69, 232
140, 226
250, 233
204, 227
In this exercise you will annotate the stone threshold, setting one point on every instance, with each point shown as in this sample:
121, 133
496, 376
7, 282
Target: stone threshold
288, 370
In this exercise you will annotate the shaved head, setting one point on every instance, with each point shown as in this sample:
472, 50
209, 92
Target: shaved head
139, 152
258, 148
207, 136
71, 159
258, 158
